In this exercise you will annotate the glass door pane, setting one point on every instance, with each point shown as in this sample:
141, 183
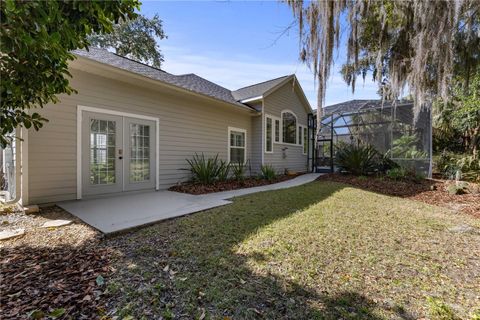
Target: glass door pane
139, 152
102, 144
140, 155
102, 152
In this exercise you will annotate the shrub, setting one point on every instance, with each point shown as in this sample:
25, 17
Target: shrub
385, 163
457, 188
397, 173
204, 170
268, 172
448, 164
238, 171
407, 147
357, 159
223, 170
405, 173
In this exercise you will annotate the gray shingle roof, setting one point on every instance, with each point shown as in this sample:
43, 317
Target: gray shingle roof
357, 105
257, 89
190, 82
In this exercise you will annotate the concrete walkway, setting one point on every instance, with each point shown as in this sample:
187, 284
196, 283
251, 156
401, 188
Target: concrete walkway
121, 212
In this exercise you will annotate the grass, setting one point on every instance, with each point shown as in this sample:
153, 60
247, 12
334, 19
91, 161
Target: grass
318, 251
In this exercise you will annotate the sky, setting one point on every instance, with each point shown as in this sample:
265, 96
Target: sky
240, 43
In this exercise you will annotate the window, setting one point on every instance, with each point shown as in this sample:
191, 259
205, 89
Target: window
268, 134
305, 140
289, 127
277, 130
237, 145
300, 132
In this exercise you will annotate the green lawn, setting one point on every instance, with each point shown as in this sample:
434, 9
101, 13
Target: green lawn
322, 250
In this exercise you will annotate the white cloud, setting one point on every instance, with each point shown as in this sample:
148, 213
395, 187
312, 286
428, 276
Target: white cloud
242, 70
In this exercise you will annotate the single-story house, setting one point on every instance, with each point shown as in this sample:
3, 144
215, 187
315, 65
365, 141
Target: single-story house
132, 127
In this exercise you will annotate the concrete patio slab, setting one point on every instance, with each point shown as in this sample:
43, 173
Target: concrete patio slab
125, 211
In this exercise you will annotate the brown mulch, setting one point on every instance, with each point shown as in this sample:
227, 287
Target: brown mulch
51, 270
431, 191
48, 279
198, 188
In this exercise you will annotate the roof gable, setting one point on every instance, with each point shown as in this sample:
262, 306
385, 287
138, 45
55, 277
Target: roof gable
190, 82
258, 89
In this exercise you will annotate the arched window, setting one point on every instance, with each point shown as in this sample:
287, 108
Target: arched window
289, 127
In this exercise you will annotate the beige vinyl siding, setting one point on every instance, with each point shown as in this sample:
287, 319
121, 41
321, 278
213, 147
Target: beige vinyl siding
286, 98
256, 146
187, 125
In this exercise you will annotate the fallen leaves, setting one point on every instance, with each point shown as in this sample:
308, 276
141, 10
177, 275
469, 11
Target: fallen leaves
431, 191
54, 282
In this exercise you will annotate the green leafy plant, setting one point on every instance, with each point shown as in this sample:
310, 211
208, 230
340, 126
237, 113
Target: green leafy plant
134, 38
476, 315
36, 40
449, 163
356, 159
406, 147
457, 122
204, 170
397, 173
384, 163
238, 170
457, 188
439, 310
223, 170
268, 172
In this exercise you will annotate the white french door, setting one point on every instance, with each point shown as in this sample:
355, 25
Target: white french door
118, 153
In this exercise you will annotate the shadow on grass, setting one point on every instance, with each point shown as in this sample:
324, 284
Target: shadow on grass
182, 268
383, 185
190, 266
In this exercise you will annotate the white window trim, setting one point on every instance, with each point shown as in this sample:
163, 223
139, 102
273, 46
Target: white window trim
279, 129
304, 139
299, 134
296, 128
230, 129
81, 109
267, 116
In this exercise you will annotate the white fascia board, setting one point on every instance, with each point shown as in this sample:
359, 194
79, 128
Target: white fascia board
252, 99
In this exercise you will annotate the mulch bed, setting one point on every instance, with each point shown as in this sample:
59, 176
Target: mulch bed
431, 191
51, 271
198, 188
46, 281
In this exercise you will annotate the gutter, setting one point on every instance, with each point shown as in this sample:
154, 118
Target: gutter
95, 64
18, 172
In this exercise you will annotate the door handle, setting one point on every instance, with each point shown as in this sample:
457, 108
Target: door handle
120, 154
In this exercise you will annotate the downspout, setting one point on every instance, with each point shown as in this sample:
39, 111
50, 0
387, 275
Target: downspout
18, 170
263, 132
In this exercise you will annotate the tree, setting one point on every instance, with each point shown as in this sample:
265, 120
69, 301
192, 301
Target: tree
135, 39
457, 122
403, 43
37, 38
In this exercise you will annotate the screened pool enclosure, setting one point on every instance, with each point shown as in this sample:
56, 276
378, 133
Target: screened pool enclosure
393, 131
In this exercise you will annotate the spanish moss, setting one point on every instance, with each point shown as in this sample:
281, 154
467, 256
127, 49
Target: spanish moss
404, 44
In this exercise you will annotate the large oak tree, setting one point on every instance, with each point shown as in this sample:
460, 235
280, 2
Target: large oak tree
37, 38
